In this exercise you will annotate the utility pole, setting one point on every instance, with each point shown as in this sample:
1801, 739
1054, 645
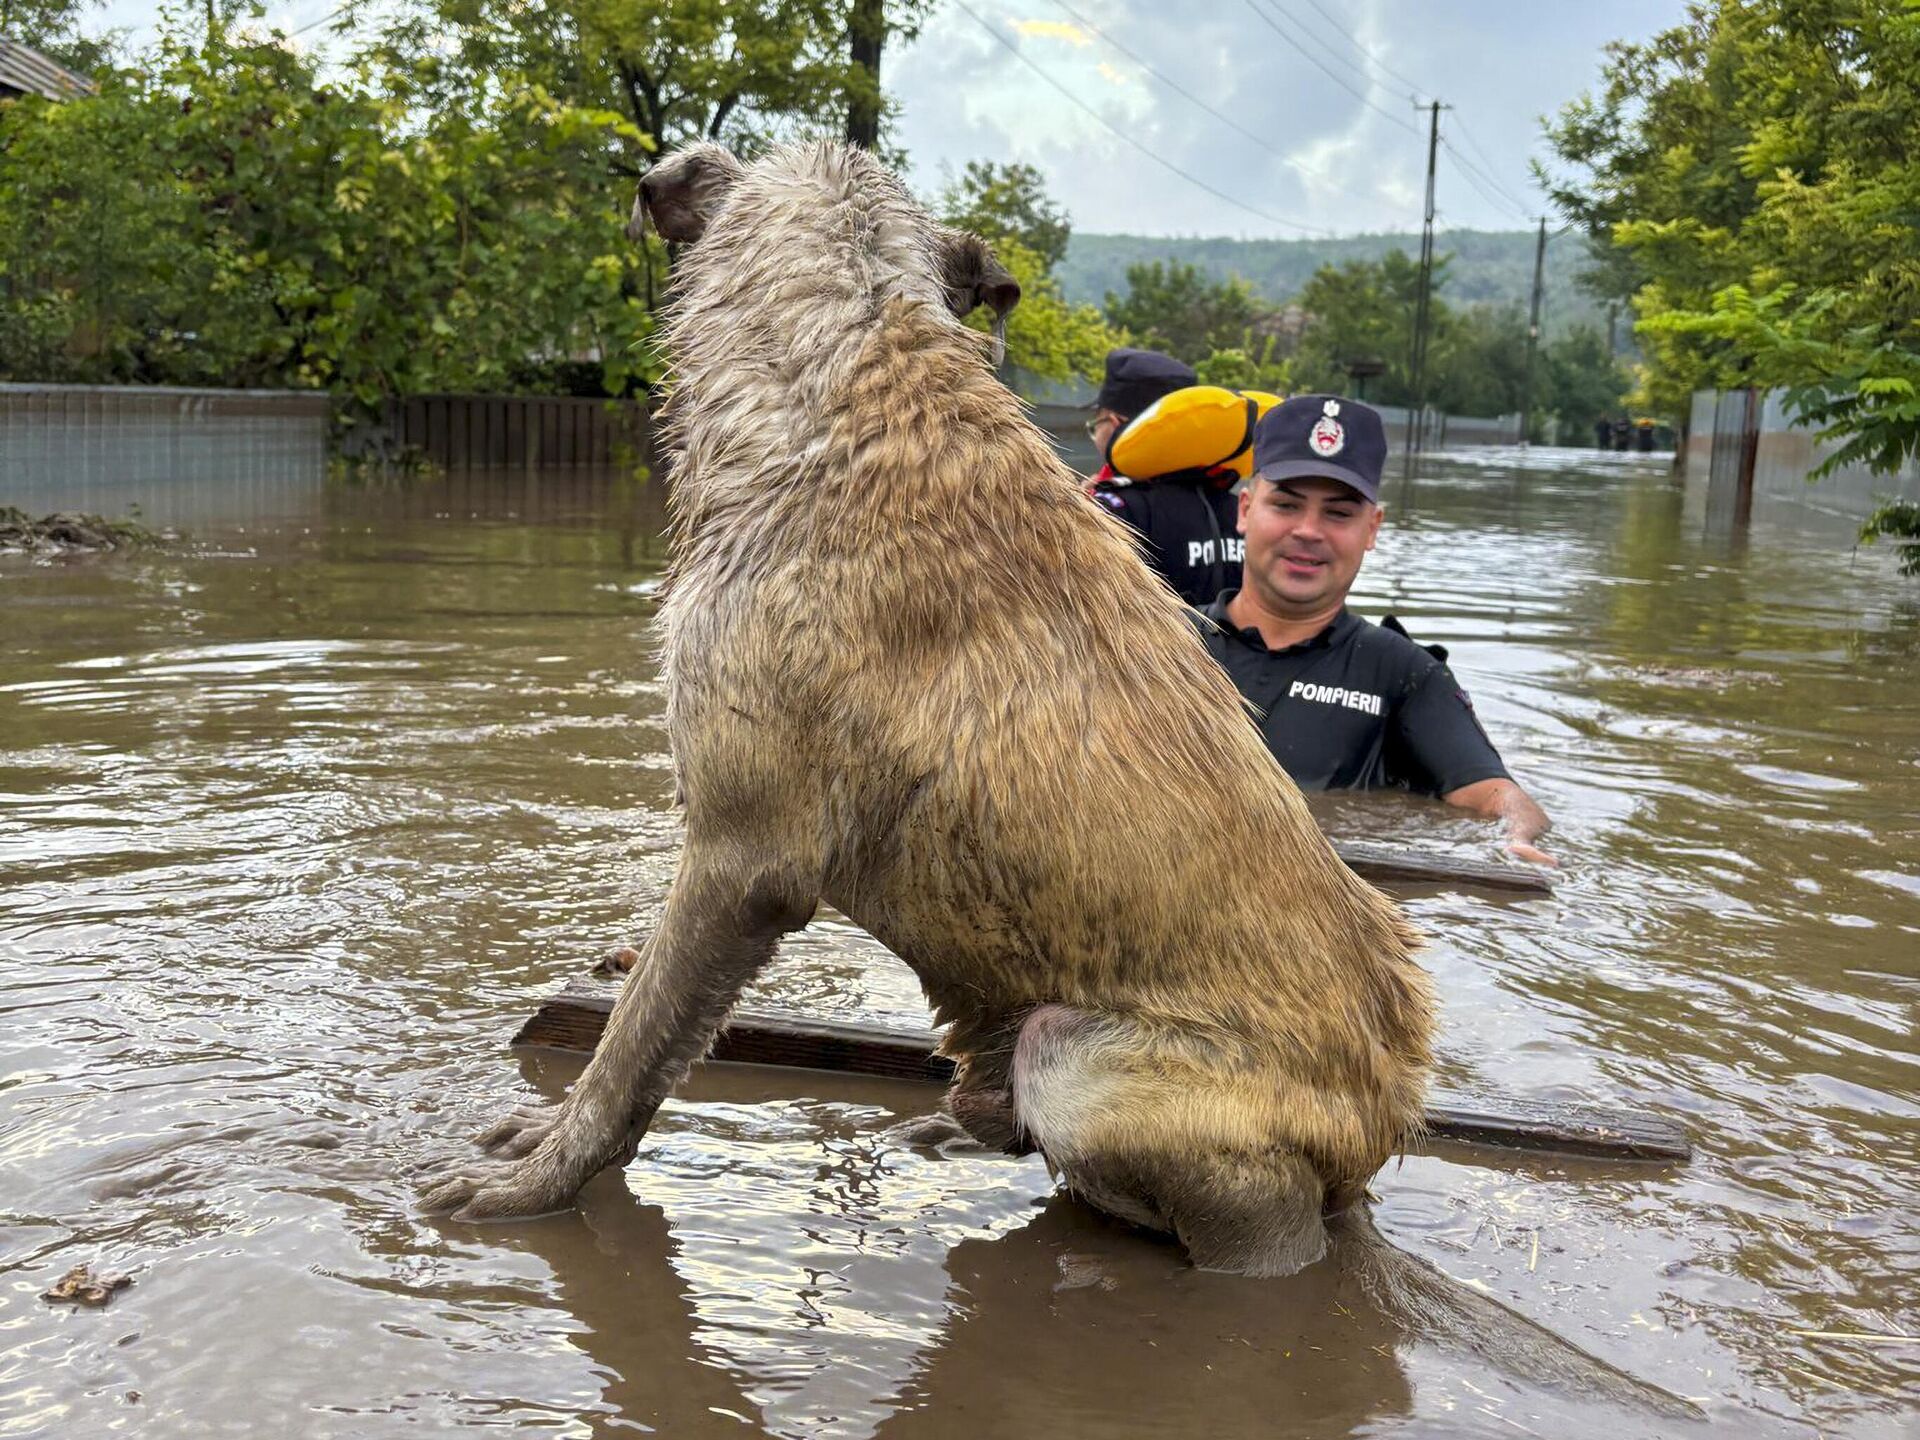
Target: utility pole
1415, 421
1533, 333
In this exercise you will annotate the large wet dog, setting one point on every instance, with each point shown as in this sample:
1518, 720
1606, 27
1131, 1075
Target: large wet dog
914, 673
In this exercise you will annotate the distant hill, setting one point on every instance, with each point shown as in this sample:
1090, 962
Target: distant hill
1488, 265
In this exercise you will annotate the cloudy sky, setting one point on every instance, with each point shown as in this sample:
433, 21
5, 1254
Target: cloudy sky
1298, 117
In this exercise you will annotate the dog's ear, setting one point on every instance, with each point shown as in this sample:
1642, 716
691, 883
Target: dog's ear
683, 192
972, 278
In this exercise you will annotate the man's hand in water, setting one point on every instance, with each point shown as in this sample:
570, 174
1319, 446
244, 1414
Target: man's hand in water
1505, 801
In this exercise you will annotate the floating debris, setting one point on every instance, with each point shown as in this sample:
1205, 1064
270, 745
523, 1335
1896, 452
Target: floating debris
1699, 677
70, 531
80, 1286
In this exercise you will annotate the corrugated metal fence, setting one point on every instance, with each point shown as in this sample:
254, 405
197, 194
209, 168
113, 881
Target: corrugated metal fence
179, 455
1745, 454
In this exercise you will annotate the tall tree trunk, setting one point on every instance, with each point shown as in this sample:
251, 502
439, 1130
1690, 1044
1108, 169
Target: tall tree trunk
866, 32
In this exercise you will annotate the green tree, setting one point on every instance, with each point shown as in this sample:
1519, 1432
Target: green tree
1172, 306
677, 70
683, 70
1007, 202
1047, 336
1477, 360
228, 216
1364, 309
1238, 368
1579, 381
55, 29
1753, 170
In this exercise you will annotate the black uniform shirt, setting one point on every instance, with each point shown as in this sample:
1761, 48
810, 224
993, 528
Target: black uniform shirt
1357, 707
1191, 529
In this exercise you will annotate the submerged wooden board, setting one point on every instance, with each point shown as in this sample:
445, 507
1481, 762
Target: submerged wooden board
1383, 863
574, 1019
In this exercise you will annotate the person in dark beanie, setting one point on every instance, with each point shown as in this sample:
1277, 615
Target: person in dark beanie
1344, 704
1185, 518
1134, 380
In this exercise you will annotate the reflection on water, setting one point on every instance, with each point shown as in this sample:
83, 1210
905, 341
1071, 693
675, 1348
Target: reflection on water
296, 825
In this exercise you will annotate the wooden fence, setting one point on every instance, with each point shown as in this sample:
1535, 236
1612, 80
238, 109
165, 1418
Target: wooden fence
525, 432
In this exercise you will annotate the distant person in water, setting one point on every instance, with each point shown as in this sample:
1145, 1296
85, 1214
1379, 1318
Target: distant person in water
1344, 704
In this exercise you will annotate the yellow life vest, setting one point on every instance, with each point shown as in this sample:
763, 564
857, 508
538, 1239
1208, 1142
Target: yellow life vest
1203, 427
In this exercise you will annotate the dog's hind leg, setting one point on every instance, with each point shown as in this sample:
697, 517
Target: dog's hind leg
723, 919
1120, 1110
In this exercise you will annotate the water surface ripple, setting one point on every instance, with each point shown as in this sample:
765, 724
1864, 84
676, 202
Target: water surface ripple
296, 826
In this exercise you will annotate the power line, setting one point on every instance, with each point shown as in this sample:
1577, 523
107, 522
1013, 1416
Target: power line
1488, 172
1342, 32
1328, 71
1151, 155
1460, 126
1506, 196
1264, 142
1489, 191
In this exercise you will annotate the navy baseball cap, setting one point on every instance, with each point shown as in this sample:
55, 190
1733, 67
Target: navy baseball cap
1137, 378
1322, 435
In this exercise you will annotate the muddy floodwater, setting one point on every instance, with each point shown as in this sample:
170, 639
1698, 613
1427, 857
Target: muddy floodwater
298, 824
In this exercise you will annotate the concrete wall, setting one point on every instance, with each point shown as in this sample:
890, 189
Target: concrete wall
183, 457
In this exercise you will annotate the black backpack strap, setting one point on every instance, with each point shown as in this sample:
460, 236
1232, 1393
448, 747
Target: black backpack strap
1392, 622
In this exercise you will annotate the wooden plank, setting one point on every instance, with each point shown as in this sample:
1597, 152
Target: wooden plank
575, 1017
1382, 862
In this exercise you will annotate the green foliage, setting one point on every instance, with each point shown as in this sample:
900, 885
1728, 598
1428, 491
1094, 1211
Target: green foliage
1476, 354
1578, 380
1897, 520
1007, 202
1477, 361
1047, 336
1237, 368
1173, 307
226, 216
53, 27
1754, 172
1364, 310
1493, 267
678, 70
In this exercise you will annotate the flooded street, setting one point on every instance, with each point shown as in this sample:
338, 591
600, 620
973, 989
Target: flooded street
297, 825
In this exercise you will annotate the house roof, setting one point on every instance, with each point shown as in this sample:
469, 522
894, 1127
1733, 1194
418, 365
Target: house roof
26, 71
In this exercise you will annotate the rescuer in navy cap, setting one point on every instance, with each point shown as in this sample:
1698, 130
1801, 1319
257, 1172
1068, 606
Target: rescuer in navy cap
1326, 436
1134, 380
1342, 703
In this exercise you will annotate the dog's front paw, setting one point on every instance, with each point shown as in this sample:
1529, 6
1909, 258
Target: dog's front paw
496, 1191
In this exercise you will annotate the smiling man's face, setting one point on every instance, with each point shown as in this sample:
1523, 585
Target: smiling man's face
1305, 541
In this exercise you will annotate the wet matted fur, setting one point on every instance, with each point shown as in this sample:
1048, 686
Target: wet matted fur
912, 671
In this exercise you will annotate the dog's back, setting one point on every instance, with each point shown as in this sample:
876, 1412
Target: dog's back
1045, 792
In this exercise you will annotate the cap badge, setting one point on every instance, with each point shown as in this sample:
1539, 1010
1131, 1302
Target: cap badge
1329, 436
